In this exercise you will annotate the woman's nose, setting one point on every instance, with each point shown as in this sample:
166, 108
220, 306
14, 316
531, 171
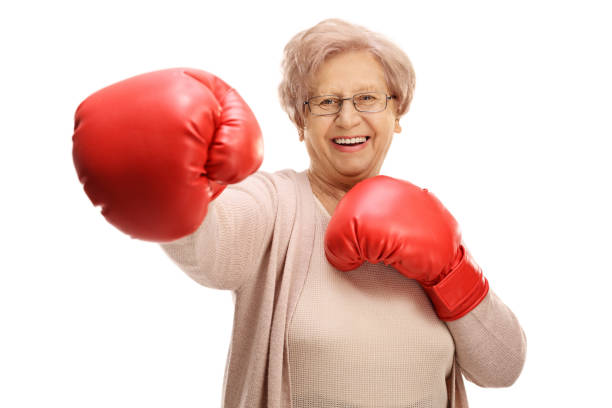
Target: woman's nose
348, 116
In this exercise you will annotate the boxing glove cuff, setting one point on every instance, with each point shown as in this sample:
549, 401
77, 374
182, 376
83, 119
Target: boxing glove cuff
460, 291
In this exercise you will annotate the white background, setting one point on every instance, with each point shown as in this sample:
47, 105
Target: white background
509, 128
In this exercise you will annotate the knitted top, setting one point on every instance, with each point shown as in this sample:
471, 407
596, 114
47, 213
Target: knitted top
307, 335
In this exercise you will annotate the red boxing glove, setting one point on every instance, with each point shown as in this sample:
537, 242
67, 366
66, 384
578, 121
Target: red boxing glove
155, 149
382, 219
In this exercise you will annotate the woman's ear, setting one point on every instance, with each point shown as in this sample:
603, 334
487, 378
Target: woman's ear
397, 128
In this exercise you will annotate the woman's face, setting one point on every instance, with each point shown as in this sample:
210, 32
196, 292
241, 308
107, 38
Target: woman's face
345, 75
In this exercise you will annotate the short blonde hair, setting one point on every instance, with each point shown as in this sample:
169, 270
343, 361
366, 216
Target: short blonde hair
308, 49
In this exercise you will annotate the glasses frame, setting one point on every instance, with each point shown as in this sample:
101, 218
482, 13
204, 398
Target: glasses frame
387, 97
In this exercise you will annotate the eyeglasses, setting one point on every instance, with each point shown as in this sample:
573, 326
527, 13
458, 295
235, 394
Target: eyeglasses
371, 102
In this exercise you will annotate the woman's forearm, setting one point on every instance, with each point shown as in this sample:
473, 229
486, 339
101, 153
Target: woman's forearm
490, 343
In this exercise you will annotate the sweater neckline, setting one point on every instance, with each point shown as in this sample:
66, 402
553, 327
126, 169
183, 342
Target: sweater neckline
304, 174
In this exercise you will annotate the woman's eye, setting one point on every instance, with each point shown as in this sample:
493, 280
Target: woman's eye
328, 101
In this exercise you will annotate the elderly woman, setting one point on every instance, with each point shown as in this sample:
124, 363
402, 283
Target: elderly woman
350, 289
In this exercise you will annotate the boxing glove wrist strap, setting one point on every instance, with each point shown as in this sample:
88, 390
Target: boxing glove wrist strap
460, 291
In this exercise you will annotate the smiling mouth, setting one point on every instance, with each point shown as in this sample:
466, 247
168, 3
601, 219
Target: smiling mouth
351, 141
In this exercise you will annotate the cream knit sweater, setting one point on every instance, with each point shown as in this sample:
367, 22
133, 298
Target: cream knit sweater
306, 335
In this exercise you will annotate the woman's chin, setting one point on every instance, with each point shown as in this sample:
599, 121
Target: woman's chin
354, 173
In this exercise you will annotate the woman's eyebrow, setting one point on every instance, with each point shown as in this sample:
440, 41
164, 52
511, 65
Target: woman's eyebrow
355, 89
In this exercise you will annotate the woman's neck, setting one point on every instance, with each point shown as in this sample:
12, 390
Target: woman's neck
328, 193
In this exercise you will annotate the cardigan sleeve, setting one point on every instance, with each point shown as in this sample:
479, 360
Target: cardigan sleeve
490, 344
229, 244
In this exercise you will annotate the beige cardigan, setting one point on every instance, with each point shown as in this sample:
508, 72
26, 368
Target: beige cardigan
257, 241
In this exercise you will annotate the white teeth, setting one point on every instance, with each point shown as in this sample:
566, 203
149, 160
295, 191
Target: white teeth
350, 140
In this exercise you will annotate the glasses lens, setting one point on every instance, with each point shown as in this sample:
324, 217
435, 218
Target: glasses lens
324, 105
370, 101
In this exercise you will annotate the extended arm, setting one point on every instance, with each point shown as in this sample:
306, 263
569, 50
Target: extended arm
228, 246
